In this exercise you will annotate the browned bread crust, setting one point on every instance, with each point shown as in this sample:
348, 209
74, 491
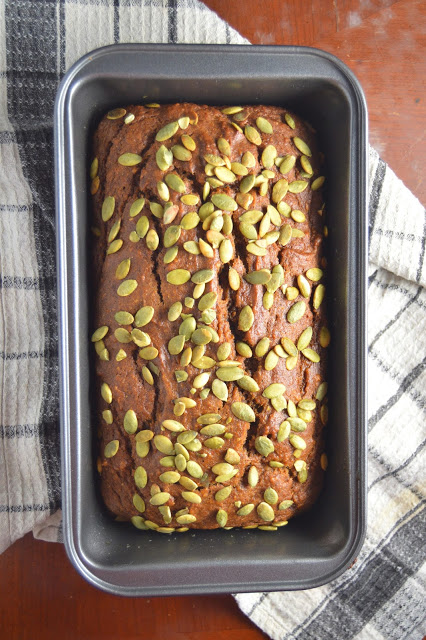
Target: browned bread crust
159, 454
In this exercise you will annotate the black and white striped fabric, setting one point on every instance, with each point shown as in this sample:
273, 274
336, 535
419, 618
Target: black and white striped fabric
383, 595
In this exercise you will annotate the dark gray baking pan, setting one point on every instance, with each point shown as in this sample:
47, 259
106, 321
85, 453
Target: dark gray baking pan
318, 546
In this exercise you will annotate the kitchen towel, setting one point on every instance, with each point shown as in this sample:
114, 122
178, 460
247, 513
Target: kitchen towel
382, 595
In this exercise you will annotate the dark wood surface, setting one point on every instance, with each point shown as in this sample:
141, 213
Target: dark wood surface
383, 42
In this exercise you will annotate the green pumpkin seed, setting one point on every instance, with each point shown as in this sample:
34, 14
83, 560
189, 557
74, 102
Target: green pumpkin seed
262, 347
296, 424
171, 235
178, 276
114, 246
306, 165
148, 353
222, 494
181, 153
234, 279
115, 114
239, 169
314, 274
297, 442
170, 255
226, 251
246, 510
252, 135
187, 327
164, 158
175, 182
243, 349
108, 207
224, 351
174, 311
225, 175
317, 183
94, 168
203, 276
247, 183
129, 159
279, 403
283, 431
279, 190
130, 422
297, 186
273, 390
230, 374
214, 429
248, 384
160, 498
191, 496
268, 156
176, 344
111, 448
287, 164
285, 504
289, 120
138, 503
194, 469
201, 380
107, 416
201, 337
302, 146
190, 220
188, 142
296, 312
318, 296
222, 518
207, 301
173, 425
271, 361
265, 511
224, 146
232, 456
243, 411
114, 231
142, 449
222, 468
324, 337
167, 131
258, 277
147, 375
220, 390
264, 125
253, 476
311, 355
163, 191
264, 446
163, 444
192, 247
307, 404
321, 391
270, 496
224, 202
214, 443
304, 338
123, 269
246, 318
248, 159
152, 240
100, 333
144, 316
141, 477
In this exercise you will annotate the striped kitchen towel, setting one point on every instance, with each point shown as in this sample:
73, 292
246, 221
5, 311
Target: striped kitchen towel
383, 594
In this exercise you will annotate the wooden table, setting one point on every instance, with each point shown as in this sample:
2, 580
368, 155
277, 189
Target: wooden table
383, 42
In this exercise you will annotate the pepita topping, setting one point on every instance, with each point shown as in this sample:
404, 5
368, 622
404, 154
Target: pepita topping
214, 314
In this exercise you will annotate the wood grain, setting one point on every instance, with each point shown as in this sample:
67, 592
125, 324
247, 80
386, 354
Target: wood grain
383, 42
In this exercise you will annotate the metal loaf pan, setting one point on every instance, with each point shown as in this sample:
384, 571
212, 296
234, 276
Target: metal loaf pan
318, 546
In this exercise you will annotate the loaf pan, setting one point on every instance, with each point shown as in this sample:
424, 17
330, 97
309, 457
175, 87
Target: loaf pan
318, 546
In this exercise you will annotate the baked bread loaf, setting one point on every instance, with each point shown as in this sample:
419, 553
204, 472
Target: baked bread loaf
209, 323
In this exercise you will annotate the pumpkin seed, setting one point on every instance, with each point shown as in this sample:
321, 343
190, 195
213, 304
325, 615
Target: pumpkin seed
296, 312
262, 347
270, 496
243, 349
163, 191
200, 380
107, 416
148, 353
100, 333
273, 390
226, 251
108, 207
170, 255
178, 276
111, 448
144, 436
94, 168
229, 374
324, 414
324, 337
243, 411
171, 235
279, 403
289, 120
94, 187
246, 318
302, 146
258, 277
207, 301
187, 327
222, 518
181, 153
306, 165
173, 425
167, 131
224, 202
264, 125
248, 384
220, 390
304, 338
138, 503
106, 392
164, 445
283, 431
287, 164
115, 114
214, 443
264, 446
214, 429
297, 442
175, 182
141, 477
321, 391
318, 296
130, 422
152, 240
314, 274
194, 469
234, 279
311, 355
296, 424
271, 361
252, 135
142, 449
160, 498
279, 190
204, 275
265, 511
114, 247
123, 317
129, 159
297, 186
317, 183
303, 414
